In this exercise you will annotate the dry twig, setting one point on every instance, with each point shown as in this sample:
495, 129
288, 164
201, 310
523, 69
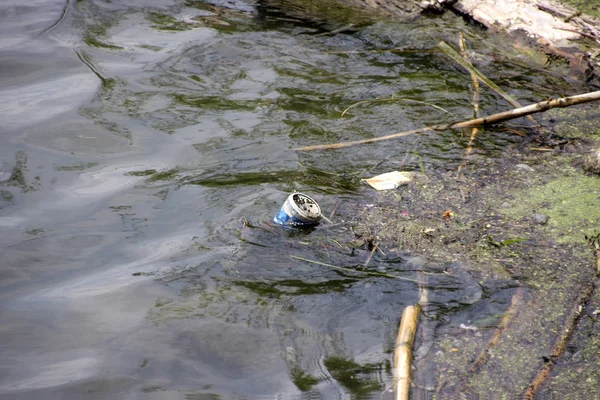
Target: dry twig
492, 119
375, 247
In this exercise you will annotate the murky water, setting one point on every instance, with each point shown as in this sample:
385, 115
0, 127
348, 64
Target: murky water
145, 146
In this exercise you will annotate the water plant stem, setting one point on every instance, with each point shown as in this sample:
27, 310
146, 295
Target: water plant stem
475, 82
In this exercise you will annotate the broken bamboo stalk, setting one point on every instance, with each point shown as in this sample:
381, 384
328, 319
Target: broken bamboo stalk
561, 343
491, 119
403, 351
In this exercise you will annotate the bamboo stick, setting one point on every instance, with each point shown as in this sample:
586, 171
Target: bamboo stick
403, 351
491, 119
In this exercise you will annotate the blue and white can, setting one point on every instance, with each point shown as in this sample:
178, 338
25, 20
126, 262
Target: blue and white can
298, 210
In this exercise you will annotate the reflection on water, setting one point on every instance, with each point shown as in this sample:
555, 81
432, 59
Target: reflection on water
146, 147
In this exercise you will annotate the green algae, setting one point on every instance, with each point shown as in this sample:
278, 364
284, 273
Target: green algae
166, 22
76, 167
587, 125
295, 287
303, 381
6, 195
18, 176
571, 202
351, 375
217, 103
150, 47
146, 172
163, 175
329, 12
95, 42
590, 7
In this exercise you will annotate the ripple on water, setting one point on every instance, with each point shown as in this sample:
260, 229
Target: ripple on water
20, 21
75, 135
153, 270
68, 367
43, 98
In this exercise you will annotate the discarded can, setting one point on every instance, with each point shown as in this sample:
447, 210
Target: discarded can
298, 210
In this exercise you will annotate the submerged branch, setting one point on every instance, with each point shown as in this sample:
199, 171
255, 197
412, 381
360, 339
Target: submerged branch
513, 309
382, 274
561, 343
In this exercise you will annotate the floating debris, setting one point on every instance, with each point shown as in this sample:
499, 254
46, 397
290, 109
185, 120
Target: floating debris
298, 210
390, 180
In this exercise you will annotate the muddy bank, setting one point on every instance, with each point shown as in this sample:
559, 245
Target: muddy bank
517, 225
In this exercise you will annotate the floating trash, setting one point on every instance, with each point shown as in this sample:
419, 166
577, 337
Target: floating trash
298, 210
390, 180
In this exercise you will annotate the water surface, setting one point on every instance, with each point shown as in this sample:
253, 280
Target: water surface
145, 148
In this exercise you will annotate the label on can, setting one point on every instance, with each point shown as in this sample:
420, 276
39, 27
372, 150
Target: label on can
298, 210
